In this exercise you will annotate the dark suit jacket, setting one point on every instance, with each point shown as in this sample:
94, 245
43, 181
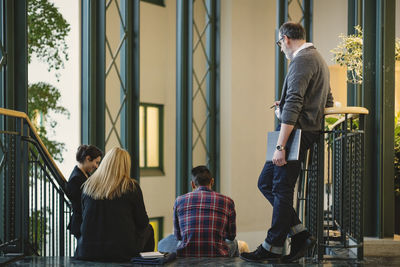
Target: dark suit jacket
113, 230
74, 192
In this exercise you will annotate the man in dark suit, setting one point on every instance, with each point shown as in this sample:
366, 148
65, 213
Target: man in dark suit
305, 94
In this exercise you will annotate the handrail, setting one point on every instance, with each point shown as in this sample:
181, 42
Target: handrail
23, 115
37, 208
352, 112
346, 110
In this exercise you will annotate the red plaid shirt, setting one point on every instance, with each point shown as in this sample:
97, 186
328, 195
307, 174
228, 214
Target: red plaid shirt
203, 219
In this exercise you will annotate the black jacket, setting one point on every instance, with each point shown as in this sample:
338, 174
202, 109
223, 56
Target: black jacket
113, 230
74, 191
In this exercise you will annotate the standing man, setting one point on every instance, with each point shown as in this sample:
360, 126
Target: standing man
305, 94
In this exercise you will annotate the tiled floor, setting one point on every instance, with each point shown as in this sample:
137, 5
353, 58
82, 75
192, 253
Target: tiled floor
66, 261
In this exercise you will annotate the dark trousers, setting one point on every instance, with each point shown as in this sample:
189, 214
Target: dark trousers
277, 185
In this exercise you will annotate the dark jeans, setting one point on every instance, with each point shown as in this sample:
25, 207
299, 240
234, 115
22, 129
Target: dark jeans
170, 244
277, 185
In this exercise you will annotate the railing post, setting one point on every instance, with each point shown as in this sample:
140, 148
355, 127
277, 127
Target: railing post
62, 232
18, 193
24, 174
320, 195
360, 250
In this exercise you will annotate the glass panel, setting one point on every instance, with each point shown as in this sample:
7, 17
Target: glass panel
153, 137
114, 81
141, 137
201, 70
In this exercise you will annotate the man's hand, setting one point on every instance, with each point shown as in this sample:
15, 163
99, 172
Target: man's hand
276, 104
279, 158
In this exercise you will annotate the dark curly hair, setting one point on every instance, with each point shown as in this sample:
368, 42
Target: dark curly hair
88, 150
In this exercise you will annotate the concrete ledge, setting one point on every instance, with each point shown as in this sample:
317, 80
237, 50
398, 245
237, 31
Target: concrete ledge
381, 246
67, 261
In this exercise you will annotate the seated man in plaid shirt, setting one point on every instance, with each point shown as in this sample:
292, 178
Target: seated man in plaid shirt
204, 221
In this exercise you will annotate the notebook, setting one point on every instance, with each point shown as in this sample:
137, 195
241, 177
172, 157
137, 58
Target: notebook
292, 145
167, 257
154, 254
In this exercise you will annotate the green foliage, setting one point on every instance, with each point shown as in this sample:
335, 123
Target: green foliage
330, 121
397, 154
43, 98
40, 226
349, 54
47, 30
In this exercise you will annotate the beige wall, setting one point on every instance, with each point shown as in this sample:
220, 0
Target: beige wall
330, 20
398, 18
247, 90
157, 85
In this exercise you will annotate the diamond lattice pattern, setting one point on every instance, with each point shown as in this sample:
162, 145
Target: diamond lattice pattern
296, 11
2, 56
115, 84
201, 71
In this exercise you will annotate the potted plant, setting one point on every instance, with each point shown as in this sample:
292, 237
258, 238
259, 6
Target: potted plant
349, 54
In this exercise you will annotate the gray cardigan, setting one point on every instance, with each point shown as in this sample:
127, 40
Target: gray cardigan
306, 91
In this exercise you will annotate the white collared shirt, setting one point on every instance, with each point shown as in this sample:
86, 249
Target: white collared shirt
303, 46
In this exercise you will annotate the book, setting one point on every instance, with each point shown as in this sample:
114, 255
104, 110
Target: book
153, 254
167, 257
292, 145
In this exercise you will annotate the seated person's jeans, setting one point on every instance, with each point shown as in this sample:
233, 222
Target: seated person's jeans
170, 243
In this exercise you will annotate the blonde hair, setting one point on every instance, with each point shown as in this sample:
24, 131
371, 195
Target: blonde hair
112, 178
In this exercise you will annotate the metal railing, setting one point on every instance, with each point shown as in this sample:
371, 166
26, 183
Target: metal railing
330, 189
34, 208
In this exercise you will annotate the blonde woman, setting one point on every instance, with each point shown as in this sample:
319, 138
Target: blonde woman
115, 225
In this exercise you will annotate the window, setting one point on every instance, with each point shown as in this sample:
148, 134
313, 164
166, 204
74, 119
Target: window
151, 139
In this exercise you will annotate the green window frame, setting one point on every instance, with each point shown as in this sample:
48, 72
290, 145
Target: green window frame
151, 136
155, 2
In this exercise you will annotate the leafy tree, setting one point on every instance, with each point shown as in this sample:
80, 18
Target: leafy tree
47, 31
42, 98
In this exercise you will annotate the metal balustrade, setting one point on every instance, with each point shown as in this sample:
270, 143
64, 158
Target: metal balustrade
330, 189
34, 209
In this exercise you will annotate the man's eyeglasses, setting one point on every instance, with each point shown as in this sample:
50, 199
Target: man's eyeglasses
279, 41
